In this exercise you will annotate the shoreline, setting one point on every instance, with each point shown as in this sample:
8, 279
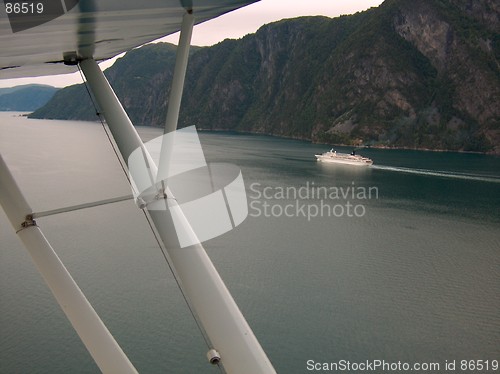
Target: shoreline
375, 146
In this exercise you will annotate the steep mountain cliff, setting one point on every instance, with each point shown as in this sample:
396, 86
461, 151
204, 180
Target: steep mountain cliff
410, 73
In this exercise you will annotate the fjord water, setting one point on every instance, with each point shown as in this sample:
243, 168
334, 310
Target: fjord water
412, 275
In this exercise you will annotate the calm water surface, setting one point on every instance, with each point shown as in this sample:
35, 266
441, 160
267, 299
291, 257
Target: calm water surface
413, 276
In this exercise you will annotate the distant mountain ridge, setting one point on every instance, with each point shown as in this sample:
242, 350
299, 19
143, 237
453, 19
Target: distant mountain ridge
414, 74
25, 98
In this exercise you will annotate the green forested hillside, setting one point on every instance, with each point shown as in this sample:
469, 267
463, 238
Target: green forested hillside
417, 74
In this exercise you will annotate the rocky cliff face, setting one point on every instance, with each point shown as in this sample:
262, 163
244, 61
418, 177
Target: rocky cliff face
417, 74
460, 44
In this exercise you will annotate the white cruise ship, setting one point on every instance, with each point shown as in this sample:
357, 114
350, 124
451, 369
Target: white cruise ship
344, 158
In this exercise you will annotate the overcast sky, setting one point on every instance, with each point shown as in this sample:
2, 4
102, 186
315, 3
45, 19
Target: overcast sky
233, 25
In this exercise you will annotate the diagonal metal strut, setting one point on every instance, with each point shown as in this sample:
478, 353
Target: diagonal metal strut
220, 317
95, 336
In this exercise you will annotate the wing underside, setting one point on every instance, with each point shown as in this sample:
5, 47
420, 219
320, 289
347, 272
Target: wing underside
36, 36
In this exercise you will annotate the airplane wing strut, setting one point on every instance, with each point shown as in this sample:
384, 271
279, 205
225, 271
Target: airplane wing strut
99, 35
